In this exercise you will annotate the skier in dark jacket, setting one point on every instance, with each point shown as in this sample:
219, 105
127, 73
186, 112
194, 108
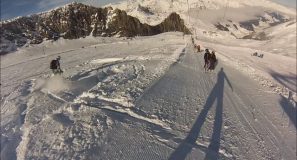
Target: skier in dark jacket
55, 66
212, 60
206, 59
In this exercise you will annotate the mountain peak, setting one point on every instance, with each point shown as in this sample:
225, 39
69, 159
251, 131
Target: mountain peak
77, 20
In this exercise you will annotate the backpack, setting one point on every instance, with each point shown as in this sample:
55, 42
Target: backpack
53, 64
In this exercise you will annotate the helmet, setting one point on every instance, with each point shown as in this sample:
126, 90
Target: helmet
206, 50
59, 57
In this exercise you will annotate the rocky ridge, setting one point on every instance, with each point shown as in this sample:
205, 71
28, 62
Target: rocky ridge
77, 20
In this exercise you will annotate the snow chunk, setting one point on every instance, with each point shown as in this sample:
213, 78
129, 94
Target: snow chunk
105, 60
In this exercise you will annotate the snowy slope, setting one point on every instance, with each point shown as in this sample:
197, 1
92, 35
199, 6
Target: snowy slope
203, 16
284, 36
149, 97
145, 98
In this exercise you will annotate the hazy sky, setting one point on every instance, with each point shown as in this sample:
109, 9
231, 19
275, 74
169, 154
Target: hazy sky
14, 8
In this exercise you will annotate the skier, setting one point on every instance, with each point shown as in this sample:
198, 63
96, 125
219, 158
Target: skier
212, 60
198, 48
55, 66
206, 59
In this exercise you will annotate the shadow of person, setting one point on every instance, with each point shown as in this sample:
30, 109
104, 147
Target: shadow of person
288, 81
289, 109
189, 142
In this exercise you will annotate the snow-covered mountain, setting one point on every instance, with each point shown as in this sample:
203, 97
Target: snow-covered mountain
229, 19
241, 19
152, 11
76, 20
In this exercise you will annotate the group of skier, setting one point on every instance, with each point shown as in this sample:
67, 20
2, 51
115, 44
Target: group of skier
210, 60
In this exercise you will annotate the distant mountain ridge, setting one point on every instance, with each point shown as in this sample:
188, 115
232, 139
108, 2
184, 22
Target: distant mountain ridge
147, 17
240, 19
77, 20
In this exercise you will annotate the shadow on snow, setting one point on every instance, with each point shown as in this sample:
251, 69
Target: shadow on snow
289, 81
189, 142
289, 108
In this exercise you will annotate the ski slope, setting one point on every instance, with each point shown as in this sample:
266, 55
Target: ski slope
143, 98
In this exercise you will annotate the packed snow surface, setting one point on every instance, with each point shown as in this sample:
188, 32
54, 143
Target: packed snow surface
147, 98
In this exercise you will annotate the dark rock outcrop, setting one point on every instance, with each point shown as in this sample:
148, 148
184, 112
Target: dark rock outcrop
257, 36
77, 20
172, 23
221, 27
253, 28
145, 10
129, 26
125, 25
275, 19
73, 21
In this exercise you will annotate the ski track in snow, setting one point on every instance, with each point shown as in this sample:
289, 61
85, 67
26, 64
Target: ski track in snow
153, 101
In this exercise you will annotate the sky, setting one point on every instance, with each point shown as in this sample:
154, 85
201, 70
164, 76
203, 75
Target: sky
14, 8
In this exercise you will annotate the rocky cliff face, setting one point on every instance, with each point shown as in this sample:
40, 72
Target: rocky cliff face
125, 25
77, 20
72, 21
253, 29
